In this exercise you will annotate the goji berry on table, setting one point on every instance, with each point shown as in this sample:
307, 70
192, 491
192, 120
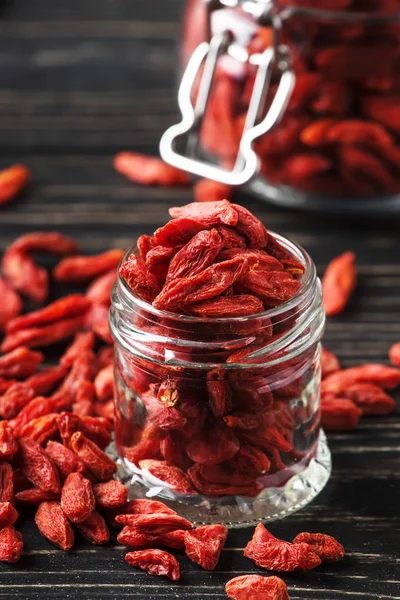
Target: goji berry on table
77, 269
277, 555
8, 514
38, 337
8, 443
169, 521
35, 496
204, 544
110, 494
47, 242
370, 399
381, 375
394, 354
95, 460
142, 537
77, 498
43, 382
339, 414
6, 482
327, 548
155, 562
94, 529
11, 545
148, 170
20, 363
38, 467
64, 308
40, 429
256, 587
144, 506
338, 283
54, 525
11, 305
66, 461
12, 181
99, 292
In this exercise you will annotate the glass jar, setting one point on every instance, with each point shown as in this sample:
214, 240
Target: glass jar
220, 417
334, 143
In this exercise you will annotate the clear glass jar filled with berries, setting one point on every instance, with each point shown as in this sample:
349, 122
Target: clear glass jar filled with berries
217, 326
324, 120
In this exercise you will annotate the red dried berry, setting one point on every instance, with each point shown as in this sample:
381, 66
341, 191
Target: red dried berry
8, 514
256, 587
53, 525
155, 562
94, 529
77, 498
327, 548
110, 494
11, 545
204, 545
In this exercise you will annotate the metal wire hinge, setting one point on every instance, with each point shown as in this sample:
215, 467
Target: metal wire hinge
179, 146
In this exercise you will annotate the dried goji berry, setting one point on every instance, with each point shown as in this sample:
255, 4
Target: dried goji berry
339, 414
178, 232
169, 521
37, 337
228, 307
381, 375
277, 555
208, 190
219, 397
255, 587
77, 498
251, 461
158, 260
11, 305
44, 382
38, 467
208, 213
83, 341
95, 460
104, 383
8, 444
214, 445
20, 363
53, 525
99, 292
338, 283
271, 287
105, 357
139, 278
11, 545
144, 506
209, 283
334, 98
327, 548
40, 429
141, 537
198, 254
77, 269
329, 362
148, 170
8, 514
12, 182
16, 397
370, 399
230, 237
155, 562
25, 275
144, 244
394, 354
66, 461
382, 108
6, 483
70, 306
48, 242
36, 408
204, 545
94, 529
314, 134
172, 477
110, 494
250, 227
221, 489
34, 496
361, 169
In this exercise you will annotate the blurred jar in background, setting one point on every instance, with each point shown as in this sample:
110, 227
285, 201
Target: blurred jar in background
338, 142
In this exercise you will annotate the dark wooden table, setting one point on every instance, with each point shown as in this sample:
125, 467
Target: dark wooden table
81, 80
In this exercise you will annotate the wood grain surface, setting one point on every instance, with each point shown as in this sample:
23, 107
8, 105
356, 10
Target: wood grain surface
81, 80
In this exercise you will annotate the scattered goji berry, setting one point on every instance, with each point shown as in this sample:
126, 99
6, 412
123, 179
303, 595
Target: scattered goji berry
6, 482
54, 525
142, 537
110, 494
204, 545
77, 269
8, 514
70, 306
370, 399
155, 562
13, 401
256, 587
169, 521
34, 496
38, 467
338, 283
339, 414
43, 382
8, 443
99, 292
381, 375
12, 182
11, 545
327, 548
104, 383
66, 461
277, 555
394, 354
40, 429
77, 498
94, 459
94, 529
148, 170
11, 305
20, 363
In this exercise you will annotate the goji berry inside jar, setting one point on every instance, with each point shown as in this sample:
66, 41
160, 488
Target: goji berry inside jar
335, 145
217, 365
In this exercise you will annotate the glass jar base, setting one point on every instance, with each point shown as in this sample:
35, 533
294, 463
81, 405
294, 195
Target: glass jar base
272, 504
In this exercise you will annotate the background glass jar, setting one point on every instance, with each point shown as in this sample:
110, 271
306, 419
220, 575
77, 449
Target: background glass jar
220, 417
337, 145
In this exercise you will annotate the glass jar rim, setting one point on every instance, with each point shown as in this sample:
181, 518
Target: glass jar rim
309, 281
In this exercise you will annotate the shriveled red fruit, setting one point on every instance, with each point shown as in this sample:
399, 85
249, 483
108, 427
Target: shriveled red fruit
79, 269
277, 555
12, 182
20, 363
77, 498
43, 382
53, 525
139, 278
155, 562
99, 292
198, 254
338, 283
329, 362
94, 529
38, 467
215, 445
11, 305
6, 483
256, 587
63, 308
167, 520
204, 545
148, 170
110, 494
394, 354
178, 232
339, 414
172, 477
34, 496
370, 399
94, 459
327, 548
208, 213
143, 506
104, 383
8, 443
381, 375
142, 537
11, 545
8, 514
250, 227
225, 307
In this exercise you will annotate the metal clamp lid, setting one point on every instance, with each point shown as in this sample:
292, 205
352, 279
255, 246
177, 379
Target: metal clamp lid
185, 134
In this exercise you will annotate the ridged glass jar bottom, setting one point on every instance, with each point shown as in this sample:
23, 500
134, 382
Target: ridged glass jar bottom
272, 504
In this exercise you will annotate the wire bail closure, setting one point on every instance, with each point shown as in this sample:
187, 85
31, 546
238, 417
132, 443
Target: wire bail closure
179, 146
